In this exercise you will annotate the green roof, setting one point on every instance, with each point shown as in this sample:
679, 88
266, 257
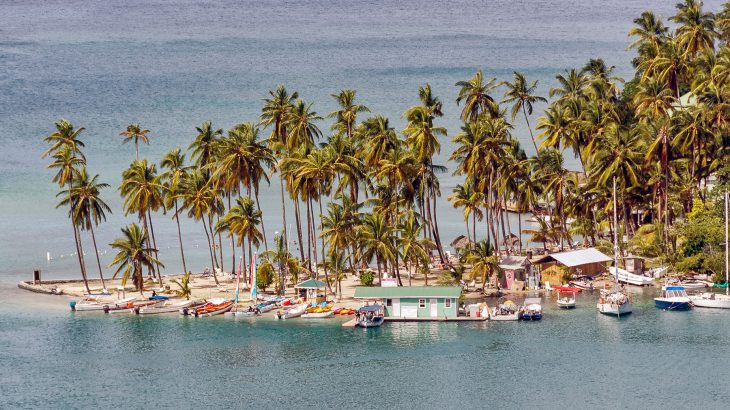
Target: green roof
310, 284
408, 292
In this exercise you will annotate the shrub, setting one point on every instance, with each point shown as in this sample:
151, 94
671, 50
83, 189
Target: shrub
367, 278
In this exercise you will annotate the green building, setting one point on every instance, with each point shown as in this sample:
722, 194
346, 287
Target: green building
412, 302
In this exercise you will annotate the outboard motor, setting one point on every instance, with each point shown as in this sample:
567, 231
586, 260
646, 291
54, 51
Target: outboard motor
185, 311
106, 308
72, 304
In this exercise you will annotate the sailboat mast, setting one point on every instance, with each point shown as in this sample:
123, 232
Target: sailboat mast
727, 262
615, 231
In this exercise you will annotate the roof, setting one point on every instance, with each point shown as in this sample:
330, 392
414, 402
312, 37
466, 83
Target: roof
362, 292
460, 242
514, 262
371, 308
310, 284
576, 258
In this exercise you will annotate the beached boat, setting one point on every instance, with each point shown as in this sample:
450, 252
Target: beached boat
92, 303
320, 315
131, 306
371, 316
294, 311
629, 278
673, 298
532, 309
615, 302
566, 299
169, 306
505, 311
582, 283
216, 306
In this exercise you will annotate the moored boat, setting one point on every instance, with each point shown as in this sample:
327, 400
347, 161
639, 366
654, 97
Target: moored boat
532, 309
673, 298
582, 283
371, 316
711, 300
505, 311
566, 299
614, 303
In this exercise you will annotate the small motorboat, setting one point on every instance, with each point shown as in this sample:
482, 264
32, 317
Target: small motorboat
506, 310
294, 311
168, 306
371, 316
532, 309
711, 300
673, 298
584, 283
92, 303
566, 299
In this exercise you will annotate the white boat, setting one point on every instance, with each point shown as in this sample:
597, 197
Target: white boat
566, 300
319, 315
711, 300
170, 306
627, 277
615, 302
89, 304
295, 311
532, 309
371, 316
507, 311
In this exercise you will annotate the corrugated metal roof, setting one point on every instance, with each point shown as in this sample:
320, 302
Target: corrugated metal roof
408, 292
576, 258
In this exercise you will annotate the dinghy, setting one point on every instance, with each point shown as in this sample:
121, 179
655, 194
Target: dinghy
168, 306
320, 315
295, 311
92, 303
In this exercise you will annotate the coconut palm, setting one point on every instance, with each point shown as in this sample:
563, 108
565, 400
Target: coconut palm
184, 285
522, 97
242, 221
379, 136
346, 116
695, 27
413, 248
87, 206
475, 95
204, 146
177, 171
376, 239
136, 133
483, 261
466, 197
133, 254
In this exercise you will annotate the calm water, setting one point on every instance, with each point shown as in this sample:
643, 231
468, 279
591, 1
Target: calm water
173, 64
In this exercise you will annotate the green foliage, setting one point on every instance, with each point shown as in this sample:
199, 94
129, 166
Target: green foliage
367, 278
184, 284
446, 278
265, 275
701, 242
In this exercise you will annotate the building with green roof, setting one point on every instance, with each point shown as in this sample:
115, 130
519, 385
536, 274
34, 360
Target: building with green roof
411, 302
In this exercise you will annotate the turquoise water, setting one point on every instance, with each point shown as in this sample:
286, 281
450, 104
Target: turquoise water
571, 359
172, 64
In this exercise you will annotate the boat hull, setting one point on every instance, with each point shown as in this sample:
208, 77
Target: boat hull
672, 303
505, 318
375, 322
614, 309
711, 301
630, 278
321, 315
165, 308
566, 305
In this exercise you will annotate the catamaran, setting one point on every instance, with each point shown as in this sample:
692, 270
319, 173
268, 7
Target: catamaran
614, 302
717, 300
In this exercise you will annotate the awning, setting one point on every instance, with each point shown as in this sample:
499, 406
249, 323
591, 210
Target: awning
371, 308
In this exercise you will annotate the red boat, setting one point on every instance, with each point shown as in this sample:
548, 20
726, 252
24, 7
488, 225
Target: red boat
213, 309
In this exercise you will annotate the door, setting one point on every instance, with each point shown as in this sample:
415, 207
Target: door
396, 307
434, 307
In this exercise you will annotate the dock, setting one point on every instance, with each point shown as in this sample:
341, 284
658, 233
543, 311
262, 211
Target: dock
436, 319
350, 323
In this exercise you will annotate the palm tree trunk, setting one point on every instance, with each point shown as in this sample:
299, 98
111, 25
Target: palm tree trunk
244, 266
252, 269
263, 227
519, 227
233, 243
436, 233
309, 238
96, 251
314, 235
136, 149
283, 211
80, 253
326, 278
532, 137
148, 241
179, 237
154, 243
473, 226
210, 249
298, 218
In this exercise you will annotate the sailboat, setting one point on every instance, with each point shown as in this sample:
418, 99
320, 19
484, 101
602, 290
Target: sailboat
614, 302
717, 300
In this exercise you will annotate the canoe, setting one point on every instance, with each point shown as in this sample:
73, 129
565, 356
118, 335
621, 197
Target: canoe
167, 307
214, 309
319, 315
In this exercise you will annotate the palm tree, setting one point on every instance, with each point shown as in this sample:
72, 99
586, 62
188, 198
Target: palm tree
475, 95
134, 132
483, 262
380, 137
184, 284
377, 240
413, 248
205, 142
346, 116
523, 97
466, 197
142, 191
88, 207
66, 152
242, 221
695, 28
133, 254
177, 171
669, 66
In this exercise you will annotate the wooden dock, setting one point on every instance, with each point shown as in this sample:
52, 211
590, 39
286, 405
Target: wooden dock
350, 323
436, 319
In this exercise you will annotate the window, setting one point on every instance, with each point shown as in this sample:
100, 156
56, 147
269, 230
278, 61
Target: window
421, 303
388, 302
447, 302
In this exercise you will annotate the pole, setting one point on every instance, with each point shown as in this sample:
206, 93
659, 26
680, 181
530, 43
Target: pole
615, 232
727, 262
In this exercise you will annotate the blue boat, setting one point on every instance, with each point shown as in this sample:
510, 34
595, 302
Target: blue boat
673, 298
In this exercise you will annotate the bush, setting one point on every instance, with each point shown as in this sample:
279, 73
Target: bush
367, 278
264, 275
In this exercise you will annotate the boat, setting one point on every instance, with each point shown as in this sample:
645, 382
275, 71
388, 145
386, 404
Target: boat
370, 316
320, 315
615, 302
216, 306
169, 306
266, 307
568, 289
294, 311
505, 311
629, 278
584, 283
566, 299
717, 300
92, 303
129, 307
532, 309
673, 298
